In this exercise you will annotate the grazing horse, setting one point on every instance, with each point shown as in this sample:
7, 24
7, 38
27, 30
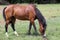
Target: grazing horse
29, 12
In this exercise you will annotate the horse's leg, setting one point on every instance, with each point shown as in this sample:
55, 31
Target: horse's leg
35, 28
30, 25
6, 27
32, 21
13, 26
42, 29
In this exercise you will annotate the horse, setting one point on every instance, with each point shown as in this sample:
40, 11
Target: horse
24, 12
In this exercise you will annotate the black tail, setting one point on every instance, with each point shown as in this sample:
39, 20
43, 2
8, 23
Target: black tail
40, 17
4, 13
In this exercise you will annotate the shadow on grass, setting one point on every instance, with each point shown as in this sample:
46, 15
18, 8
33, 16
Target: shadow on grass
32, 34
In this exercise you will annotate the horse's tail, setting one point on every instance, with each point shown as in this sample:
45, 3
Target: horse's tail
4, 13
40, 17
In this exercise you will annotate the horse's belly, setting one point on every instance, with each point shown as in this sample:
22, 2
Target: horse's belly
22, 18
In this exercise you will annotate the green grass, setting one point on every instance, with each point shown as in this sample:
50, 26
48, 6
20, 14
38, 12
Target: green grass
52, 14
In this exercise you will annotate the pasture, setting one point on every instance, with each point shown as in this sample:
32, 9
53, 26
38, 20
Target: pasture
52, 14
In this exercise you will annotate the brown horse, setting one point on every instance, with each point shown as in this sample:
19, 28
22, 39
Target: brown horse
29, 12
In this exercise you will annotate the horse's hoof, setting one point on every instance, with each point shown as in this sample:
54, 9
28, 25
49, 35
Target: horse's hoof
7, 34
16, 33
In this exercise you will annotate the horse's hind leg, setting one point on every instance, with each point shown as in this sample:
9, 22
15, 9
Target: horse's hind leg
6, 27
13, 25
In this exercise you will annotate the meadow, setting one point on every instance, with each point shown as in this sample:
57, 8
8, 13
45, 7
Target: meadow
52, 14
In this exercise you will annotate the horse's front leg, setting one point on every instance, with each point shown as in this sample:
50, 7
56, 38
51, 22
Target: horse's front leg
29, 31
32, 21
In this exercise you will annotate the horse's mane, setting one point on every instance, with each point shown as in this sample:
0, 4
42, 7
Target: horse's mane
41, 17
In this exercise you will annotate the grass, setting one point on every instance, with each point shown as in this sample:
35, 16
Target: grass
52, 14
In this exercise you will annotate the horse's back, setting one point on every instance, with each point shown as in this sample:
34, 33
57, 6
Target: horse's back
24, 12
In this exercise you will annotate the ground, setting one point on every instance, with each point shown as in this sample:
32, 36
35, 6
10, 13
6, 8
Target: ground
52, 14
